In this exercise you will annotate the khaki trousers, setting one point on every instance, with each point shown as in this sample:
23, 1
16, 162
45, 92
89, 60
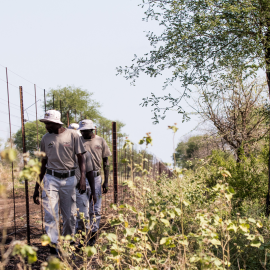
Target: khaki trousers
59, 193
92, 213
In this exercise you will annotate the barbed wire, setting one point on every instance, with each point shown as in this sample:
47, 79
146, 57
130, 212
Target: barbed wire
19, 110
8, 124
21, 77
11, 114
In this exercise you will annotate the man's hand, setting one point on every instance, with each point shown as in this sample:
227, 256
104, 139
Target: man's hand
105, 187
93, 198
36, 197
81, 186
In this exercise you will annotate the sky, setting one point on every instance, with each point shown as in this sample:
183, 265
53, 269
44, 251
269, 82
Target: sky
80, 43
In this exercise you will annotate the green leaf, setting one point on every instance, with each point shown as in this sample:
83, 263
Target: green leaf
166, 222
186, 203
215, 242
113, 206
130, 231
152, 224
255, 243
232, 227
148, 246
144, 230
177, 211
45, 240
130, 245
141, 141
115, 222
163, 240
111, 237
259, 224
244, 227
252, 220
230, 190
194, 259
114, 253
171, 213
54, 264
90, 251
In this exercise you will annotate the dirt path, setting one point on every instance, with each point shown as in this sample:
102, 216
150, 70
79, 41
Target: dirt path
6, 213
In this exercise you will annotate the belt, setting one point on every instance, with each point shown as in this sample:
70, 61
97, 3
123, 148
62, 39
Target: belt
96, 174
60, 175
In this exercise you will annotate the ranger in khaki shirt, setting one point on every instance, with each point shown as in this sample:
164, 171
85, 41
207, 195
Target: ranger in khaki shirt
100, 152
61, 146
82, 200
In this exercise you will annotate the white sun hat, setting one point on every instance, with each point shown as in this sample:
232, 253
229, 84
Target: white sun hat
73, 126
86, 124
52, 116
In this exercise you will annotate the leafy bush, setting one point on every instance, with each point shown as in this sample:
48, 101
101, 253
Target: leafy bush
248, 177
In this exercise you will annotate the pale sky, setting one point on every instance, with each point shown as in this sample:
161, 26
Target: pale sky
81, 43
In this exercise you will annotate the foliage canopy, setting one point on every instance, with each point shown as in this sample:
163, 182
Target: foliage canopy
200, 39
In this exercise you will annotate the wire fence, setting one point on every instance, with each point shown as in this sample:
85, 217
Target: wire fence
25, 219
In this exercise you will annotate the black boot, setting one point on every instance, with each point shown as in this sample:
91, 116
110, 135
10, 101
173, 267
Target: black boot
79, 246
54, 251
93, 238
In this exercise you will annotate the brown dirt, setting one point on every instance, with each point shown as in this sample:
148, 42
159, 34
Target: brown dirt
7, 214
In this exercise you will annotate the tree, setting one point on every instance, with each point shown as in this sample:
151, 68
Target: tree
30, 136
239, 113
196, 147
75, 101
202, 38
80, 105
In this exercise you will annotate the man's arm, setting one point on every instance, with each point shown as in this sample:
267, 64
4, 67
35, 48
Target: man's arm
91, 180
81, 185
41, 176
106, 174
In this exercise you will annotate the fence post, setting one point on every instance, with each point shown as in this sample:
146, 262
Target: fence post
12, 172
36, 114
25, 180
45, 100
114, 148
61, 109
159, 169
53, 101
68, 118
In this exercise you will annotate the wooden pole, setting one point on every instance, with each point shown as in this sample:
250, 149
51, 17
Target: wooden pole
25, 180
114, 148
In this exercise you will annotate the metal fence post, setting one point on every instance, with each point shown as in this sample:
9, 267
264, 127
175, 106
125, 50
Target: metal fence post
68, 118
44, 100
26, 181
36, 115
61, 109
12, 172
114, 148
159, 168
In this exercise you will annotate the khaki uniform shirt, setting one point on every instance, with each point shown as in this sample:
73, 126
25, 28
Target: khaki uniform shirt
98, 148
88, 166
61, 149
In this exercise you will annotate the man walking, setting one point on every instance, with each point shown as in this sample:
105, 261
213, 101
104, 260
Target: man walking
61, 146
100, 152
82, 200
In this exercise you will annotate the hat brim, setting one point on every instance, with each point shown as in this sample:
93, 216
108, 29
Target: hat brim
47, 120
85, 128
